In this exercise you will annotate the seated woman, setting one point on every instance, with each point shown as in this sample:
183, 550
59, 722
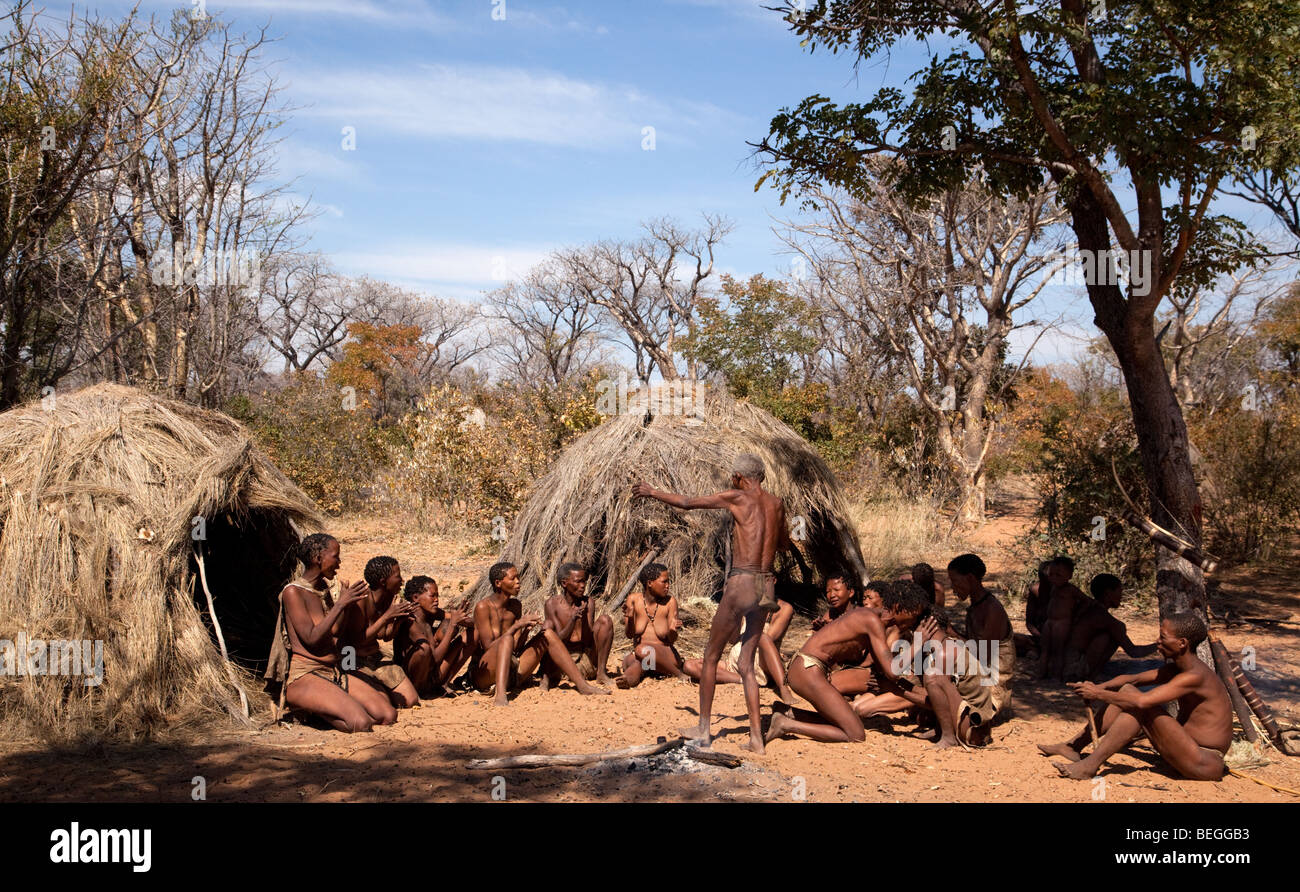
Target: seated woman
433, 644
650, 620
311, 627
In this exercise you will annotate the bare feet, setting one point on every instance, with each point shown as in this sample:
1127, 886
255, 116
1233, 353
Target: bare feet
776, 728
1075, 770
588, 689
500, 701
602, 678
622, 683
544, 683
946, 742
755, 745
786, 694
696, 735
1059, 749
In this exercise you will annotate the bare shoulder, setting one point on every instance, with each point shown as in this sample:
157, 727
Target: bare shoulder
1207, 676
293, 590
862, 618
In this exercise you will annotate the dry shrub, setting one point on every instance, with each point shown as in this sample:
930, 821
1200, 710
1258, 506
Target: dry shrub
471, 466
325, 441
895, 531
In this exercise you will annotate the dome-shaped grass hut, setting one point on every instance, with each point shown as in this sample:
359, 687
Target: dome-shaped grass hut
115, 508
582, 509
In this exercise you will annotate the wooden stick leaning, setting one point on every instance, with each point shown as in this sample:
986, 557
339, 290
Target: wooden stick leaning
572, 760
216, 627
631, 581
1092, 722
1257, 705
1223, 667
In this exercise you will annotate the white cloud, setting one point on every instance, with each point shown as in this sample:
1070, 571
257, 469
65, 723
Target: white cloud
467, 102
454, 269
392, 13
296, 159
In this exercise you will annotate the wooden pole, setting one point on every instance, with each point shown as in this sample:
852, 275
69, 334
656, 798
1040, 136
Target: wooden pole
1224, 668
627, 586
1257, 705
216, 627
1092, 723
562, 760
574, 760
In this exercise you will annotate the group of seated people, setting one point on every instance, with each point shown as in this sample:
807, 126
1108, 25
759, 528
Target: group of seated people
892, 649
1072, 635
337, 671
884, 649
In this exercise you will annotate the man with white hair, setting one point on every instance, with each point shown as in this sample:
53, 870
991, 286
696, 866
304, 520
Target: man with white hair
749, 594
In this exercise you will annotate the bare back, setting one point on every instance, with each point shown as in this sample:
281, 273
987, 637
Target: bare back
759, 528
1205, 711
848, 640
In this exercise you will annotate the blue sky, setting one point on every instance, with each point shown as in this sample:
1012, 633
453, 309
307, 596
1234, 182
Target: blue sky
483, 143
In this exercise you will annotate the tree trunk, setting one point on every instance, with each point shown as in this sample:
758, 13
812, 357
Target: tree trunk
1162, 443
974, 498
1157, 417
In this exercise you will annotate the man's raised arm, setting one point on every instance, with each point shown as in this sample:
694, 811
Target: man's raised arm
685, 503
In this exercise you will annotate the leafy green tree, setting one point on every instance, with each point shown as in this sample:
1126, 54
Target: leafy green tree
758, 339
1139, 111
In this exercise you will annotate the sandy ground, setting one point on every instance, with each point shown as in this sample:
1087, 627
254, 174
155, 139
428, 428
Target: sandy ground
425, 755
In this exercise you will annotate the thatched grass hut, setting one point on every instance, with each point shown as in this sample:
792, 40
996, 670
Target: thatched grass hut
110, 500
582, 509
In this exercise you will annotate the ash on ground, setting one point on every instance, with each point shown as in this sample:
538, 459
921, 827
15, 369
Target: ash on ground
746, 782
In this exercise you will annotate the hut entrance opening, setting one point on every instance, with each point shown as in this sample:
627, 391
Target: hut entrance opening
248, 561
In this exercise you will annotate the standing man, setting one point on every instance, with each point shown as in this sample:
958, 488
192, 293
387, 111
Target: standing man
748, 595
588, 639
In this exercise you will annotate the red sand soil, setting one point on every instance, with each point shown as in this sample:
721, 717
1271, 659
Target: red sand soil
424, 756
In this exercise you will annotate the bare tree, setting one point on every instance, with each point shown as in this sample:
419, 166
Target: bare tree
1209, 342
917, 277
60, 98
451, 332
650, 288
549, 330
303, 314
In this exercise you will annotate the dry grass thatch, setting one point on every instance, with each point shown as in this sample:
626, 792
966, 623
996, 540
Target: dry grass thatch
582, 509
98, 494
